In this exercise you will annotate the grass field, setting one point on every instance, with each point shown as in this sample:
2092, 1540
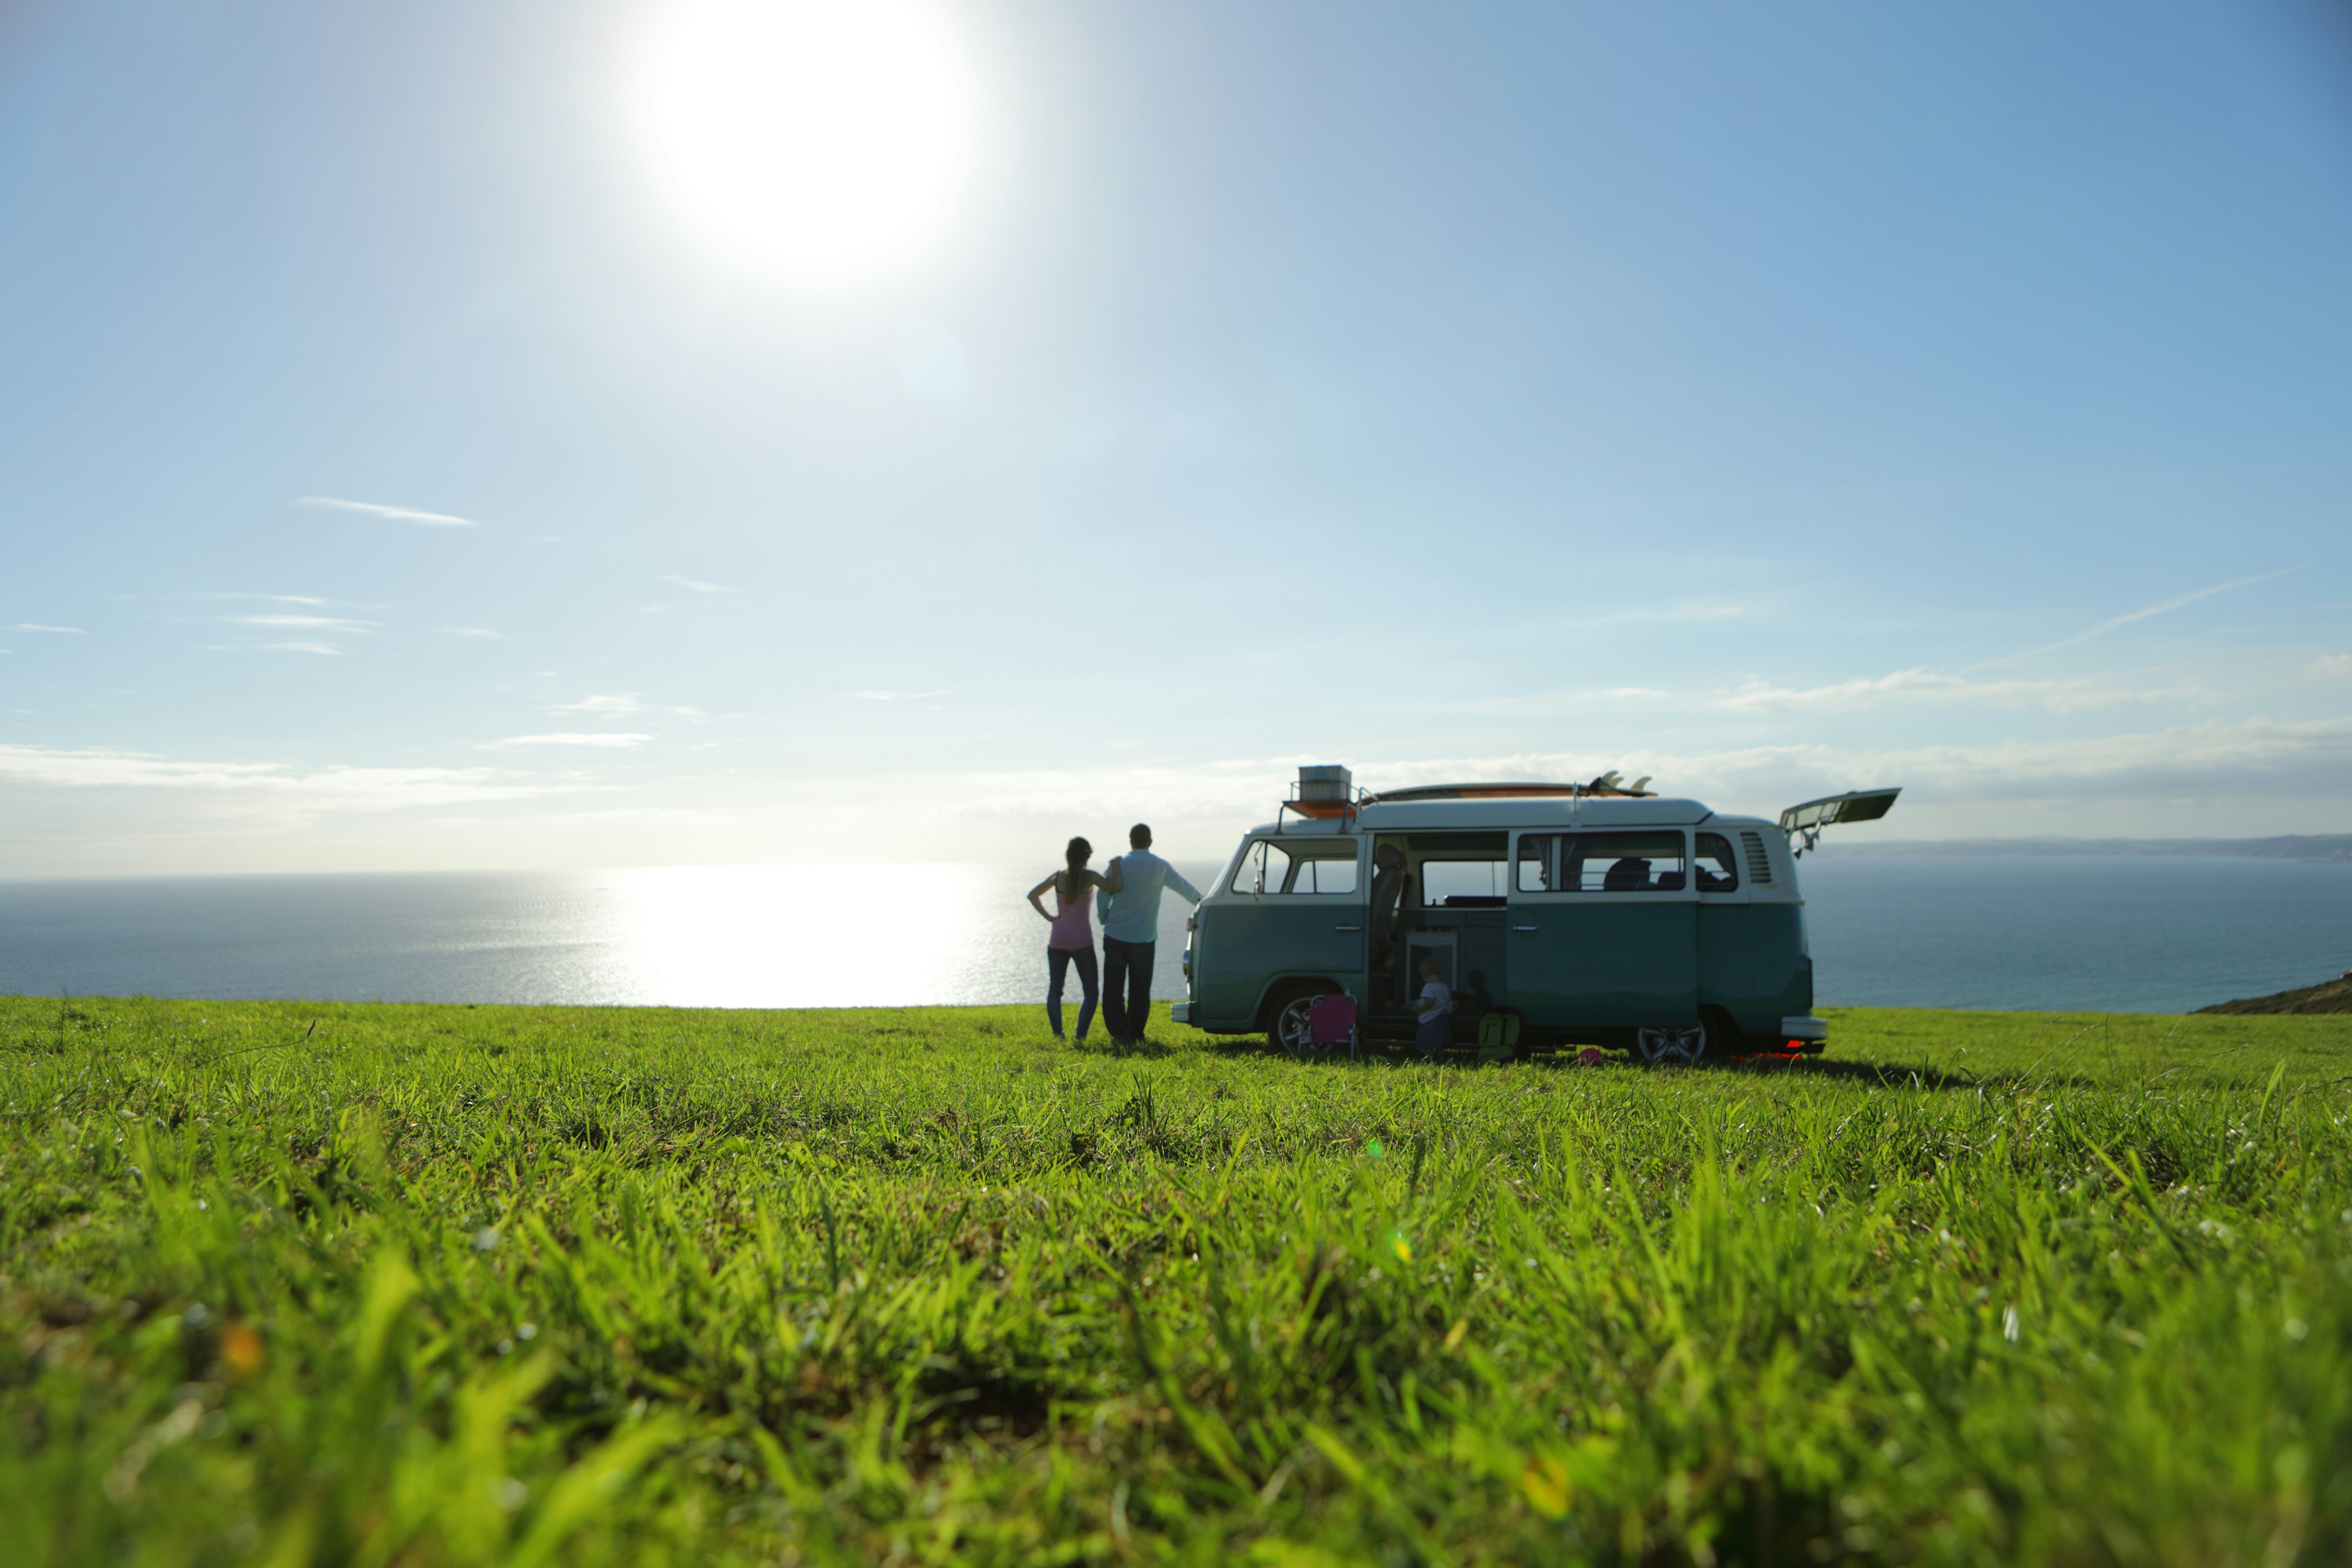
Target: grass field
403, 1285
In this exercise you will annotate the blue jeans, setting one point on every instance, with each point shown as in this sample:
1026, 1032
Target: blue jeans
1434, 1032
1059, 961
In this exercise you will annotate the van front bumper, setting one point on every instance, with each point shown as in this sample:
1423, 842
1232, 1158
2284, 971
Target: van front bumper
1806, 1034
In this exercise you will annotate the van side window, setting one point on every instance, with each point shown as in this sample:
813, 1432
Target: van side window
1324, 874
1717, 869
1535, 864
1622, 863
1264, 868
1462, 884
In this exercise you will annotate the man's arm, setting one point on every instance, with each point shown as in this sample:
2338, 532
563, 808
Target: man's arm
1182, 886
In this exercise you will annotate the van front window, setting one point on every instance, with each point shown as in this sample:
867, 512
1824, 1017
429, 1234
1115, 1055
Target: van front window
1270, 868
1263, 868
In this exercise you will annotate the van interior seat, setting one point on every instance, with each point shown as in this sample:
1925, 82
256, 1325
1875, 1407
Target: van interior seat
1630, 875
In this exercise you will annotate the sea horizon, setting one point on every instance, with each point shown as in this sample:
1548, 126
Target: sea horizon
2128, 933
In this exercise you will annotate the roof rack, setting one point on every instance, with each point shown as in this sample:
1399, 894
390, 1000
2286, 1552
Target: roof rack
1321, 794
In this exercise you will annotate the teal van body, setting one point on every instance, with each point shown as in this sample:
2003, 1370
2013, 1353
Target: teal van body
1611, 920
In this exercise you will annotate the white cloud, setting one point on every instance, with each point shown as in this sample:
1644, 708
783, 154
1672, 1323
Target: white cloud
306, 623
317, 648
654, 609
333, 788
2225, 757
37, 627
469, 632
885, 696
2332, 666
572, 737
2066, 696
698, 587
610, 702
397, 513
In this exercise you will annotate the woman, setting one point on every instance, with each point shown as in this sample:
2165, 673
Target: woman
1072, 931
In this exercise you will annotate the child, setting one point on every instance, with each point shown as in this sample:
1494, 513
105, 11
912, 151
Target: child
1435, 1008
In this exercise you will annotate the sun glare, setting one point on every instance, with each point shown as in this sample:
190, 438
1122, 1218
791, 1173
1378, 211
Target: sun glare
821, 138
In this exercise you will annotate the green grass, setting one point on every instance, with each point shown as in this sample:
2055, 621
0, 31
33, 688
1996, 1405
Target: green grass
449, 1285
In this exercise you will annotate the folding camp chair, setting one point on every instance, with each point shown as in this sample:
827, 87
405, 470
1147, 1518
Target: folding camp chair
1331, 1023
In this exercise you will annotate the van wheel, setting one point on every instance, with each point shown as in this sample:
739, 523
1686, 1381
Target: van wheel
1670, 1047
1289, 1032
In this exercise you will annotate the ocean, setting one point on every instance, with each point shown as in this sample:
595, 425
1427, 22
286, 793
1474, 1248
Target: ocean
2081, 932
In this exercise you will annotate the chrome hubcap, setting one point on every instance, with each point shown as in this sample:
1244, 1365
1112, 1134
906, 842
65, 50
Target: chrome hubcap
1671, 1045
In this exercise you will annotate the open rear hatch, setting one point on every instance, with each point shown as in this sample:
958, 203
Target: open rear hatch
1805, 822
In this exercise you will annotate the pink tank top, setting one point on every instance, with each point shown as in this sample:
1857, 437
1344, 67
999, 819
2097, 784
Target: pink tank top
1071, 928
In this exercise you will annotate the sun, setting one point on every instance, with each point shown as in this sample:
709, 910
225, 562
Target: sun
819, 138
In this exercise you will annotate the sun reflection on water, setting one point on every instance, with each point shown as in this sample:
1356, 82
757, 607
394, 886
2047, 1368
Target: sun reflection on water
824, 936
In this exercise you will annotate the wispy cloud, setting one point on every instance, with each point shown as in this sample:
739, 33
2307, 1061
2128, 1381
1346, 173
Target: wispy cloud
396, 513
469, 632
2226, 758
698, 587
2065, 696
572, 738
37, 627
2332, 666
1687, 610
306, 623
2160, 607
322, 789
617, 704
886, 695
654, 609
315, 648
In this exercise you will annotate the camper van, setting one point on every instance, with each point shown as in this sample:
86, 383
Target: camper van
1597, 914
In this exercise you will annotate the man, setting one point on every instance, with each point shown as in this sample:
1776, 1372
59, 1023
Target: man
1131, 922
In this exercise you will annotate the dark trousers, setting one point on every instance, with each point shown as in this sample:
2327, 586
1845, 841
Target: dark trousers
1057, 962
1127, 976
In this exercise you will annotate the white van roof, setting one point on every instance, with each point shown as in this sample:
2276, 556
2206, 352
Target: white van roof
1399, 816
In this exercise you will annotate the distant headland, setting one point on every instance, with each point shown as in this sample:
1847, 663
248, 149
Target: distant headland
2327, 996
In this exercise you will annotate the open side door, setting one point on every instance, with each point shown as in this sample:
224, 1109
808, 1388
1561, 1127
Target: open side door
1805, 822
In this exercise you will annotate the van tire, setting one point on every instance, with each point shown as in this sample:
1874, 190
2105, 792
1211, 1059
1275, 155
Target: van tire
1662, 1046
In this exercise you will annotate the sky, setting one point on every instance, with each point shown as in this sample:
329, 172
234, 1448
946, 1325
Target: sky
408, 462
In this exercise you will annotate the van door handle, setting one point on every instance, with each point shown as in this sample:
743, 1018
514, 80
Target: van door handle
1524, 928
1347, 928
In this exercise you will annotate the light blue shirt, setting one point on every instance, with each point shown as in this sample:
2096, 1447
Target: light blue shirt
1132, 914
